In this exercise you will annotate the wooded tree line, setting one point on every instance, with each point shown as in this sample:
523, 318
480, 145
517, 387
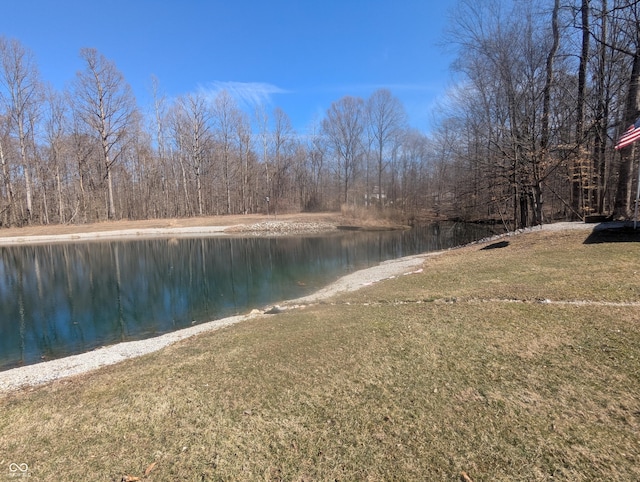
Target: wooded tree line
525, 136
89, 154
547, 89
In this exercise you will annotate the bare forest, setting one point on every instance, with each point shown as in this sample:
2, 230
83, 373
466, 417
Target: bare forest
540, 93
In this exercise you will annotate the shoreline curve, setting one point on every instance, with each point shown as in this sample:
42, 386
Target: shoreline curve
48, 371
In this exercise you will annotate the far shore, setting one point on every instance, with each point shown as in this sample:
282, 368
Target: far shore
115, 234
199, 226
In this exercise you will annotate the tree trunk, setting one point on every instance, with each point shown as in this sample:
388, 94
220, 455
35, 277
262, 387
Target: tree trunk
546, 108
227, 180
602, 114
60, 201
111, 206
8, 211
576, 165
25, 169
622, 208
199, 190
185, 188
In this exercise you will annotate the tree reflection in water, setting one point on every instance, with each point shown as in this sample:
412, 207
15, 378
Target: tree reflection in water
62, 299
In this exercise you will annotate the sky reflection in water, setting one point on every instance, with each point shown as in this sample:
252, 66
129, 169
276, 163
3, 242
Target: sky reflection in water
62, 299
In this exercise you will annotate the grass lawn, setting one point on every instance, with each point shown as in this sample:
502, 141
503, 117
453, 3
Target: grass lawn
515, 363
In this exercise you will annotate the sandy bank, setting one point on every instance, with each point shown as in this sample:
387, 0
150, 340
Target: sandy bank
115, 234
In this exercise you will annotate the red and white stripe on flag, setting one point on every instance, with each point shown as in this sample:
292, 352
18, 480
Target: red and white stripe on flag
631, 135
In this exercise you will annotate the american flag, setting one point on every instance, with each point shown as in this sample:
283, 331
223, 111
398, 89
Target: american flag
631, 135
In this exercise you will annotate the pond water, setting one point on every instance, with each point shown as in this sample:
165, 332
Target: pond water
62, 299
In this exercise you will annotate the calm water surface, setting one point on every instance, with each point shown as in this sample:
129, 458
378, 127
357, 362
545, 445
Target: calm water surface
62, 299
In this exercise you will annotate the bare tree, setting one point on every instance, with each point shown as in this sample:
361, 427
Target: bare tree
517, 109
581, 101
538, 166
226, 118
413, 167
262, 118
83, 148
160, 128
105, 102
159, 115
55, 131
283, 153
179, 128
386, 120
344, 127
247, 162
22, 95
602, 93
630, 10
7, 209
316, 153
197, 114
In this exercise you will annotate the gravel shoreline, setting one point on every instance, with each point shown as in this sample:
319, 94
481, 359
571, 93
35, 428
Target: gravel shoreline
41, 373
44, 372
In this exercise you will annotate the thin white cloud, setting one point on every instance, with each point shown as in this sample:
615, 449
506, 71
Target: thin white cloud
357, 89
248, 95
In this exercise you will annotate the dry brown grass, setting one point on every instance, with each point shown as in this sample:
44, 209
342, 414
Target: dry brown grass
540, 265
395, 382
230, 220
373, 217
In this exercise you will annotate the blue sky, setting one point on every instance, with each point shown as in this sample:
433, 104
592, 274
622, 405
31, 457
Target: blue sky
296, 55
